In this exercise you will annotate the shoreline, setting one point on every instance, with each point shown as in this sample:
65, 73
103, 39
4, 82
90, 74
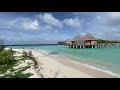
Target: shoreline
91, 70
74, 68
95, 72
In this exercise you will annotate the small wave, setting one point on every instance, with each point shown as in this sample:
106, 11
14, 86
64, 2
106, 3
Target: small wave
106, 71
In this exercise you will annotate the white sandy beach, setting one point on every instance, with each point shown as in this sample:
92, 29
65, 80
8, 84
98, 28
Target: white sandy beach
56, 68
52, 68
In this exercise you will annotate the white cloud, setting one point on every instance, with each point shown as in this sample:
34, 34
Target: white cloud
30, 25
47, 27
109, 18
24, 23
43, 22
114, 15
46, 38
83, 34
73, 22
50, 19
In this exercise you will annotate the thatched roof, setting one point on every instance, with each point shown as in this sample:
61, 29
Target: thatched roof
78, 38
89, 37
68, 40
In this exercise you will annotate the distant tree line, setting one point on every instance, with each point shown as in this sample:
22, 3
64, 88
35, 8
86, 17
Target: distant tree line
107, 41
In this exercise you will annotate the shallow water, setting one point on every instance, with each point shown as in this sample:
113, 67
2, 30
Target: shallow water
102, 58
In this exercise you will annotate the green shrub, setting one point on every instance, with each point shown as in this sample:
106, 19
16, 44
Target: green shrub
18, 74
8, 61
7, 57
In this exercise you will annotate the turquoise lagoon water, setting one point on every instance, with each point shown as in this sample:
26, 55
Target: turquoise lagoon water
107, 59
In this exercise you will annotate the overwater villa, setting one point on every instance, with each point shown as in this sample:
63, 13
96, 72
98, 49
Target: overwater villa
88, 41
77, 40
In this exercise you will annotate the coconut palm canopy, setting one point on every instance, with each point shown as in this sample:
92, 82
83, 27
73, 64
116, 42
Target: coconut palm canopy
89, 37
78, 38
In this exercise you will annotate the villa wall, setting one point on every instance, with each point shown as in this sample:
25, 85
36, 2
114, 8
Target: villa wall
90, 42
79, 43
93, 42
87, 43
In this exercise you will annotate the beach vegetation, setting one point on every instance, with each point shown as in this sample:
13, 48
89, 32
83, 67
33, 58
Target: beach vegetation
8, 60
107, 41
7, 63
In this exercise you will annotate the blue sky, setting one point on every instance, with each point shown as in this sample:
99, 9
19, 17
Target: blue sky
51, 27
